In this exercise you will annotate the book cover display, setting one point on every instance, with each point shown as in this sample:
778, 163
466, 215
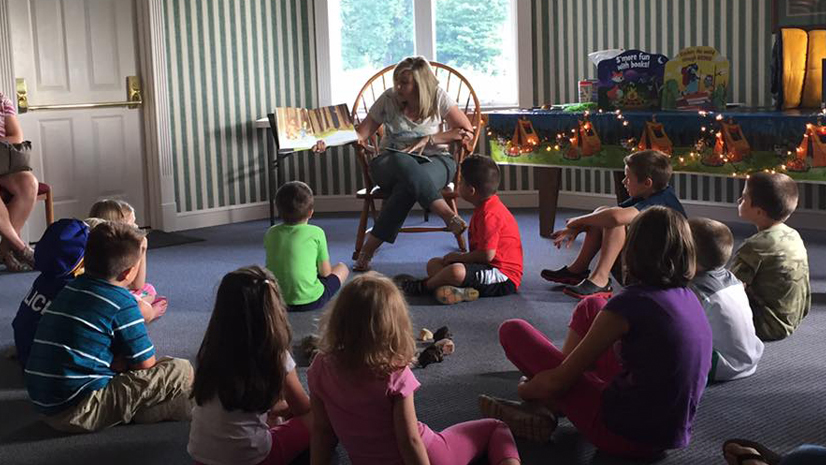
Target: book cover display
630, 81
696, 79
301, 128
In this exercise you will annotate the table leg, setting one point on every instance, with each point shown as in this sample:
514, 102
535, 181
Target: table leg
619, 188
547, 180
271, 175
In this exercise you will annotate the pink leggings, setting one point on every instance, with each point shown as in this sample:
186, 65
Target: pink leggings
532, 352
289, 440
464, 442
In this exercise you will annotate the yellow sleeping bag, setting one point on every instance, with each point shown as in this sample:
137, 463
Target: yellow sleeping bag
812, 86
795, 45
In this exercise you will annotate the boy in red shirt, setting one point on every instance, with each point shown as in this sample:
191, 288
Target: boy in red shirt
493, 267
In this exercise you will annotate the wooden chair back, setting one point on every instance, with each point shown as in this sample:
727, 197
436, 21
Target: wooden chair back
450, 80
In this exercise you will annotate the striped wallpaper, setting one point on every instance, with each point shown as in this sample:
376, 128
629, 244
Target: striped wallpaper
232, 61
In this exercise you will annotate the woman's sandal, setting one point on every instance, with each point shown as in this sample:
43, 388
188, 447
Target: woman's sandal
363, 261
456, 225
13, 265
25, 256
764, 454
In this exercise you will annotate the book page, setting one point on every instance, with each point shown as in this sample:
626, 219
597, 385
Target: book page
300, 128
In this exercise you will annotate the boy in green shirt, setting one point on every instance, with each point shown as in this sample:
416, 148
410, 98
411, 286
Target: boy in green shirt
297, 252
773, 264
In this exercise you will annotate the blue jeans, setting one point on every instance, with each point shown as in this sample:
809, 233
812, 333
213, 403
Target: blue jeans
805, 455
407, 181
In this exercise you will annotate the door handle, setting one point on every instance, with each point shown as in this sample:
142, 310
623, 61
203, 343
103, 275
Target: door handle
133, 100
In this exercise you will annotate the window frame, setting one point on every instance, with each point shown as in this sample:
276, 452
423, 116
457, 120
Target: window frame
425, 45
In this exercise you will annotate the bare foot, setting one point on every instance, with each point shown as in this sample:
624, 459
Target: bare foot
159, 306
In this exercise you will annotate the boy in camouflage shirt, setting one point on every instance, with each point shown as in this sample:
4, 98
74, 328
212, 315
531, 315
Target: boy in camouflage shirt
773, 264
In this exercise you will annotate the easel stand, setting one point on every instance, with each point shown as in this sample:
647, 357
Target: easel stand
548, 181
275, 158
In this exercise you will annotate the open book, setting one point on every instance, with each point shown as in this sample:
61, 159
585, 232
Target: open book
301, 128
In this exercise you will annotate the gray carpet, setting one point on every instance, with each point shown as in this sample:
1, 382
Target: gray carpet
783, 404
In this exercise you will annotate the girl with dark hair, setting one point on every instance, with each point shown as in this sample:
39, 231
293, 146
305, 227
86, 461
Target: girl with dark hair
633, 368
244, 369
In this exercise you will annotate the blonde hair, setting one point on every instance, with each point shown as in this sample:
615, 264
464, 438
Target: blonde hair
369, 327
426, 83
111, 210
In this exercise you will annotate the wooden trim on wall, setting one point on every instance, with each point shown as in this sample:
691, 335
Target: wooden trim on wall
157, 140
7, 86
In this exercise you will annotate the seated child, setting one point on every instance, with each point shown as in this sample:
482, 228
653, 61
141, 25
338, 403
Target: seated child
737, 349
639, 397
92, 364
647, 174
773, 264
244, 370
59, 258
493, 267
152, 305
362, 389
297, 252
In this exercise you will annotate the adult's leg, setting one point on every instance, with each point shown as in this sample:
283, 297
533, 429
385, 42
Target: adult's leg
613, 240
10, 237
401, 176
23, 186
464, 442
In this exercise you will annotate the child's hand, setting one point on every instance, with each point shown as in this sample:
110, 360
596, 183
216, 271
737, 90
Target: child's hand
452, 257
564, 237
320, 146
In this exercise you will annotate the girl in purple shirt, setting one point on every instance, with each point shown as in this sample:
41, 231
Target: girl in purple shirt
633, 368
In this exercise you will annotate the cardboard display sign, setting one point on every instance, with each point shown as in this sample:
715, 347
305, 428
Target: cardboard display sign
631, 81
697, 79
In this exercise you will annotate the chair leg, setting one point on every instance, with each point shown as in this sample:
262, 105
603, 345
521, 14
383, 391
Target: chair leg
460, 239
49, 208
362, 231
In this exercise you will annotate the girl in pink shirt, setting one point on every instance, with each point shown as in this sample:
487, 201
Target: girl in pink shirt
361, 389
244, 373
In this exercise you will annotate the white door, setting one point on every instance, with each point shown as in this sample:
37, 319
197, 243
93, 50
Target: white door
80, 51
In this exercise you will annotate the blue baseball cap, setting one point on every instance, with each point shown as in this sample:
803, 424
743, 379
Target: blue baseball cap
61, 248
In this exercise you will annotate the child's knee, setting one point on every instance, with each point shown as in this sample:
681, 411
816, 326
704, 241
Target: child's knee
511, 329
457, 272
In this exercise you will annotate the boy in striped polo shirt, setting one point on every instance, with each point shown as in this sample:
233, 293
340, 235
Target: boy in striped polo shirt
92, 364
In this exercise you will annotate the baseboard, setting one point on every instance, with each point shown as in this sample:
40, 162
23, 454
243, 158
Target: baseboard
514, 199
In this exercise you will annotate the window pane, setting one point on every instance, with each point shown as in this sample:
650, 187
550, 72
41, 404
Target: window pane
478, 38
371, 35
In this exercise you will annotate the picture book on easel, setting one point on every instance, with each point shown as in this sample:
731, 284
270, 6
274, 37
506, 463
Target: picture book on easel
301, 128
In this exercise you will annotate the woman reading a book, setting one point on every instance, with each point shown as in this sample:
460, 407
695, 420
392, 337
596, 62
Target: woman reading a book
414, 163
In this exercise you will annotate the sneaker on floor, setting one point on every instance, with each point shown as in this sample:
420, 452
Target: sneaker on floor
564, 275
449, 295
410, 285
524, 420
587, 288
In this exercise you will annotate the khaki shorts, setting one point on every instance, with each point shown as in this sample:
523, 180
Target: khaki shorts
144, 396
14, 157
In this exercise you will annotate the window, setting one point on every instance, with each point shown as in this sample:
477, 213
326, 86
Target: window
357, 38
